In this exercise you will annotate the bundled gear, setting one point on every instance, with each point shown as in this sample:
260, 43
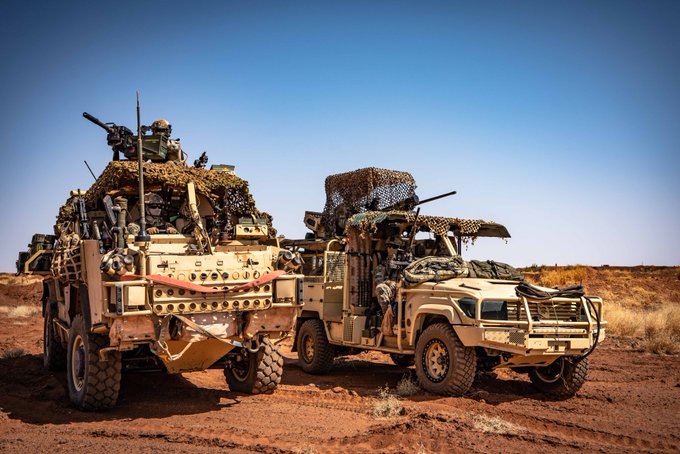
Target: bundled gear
435, 269
441, 268
490, 269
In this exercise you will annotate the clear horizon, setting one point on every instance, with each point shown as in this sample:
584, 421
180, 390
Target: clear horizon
558, 120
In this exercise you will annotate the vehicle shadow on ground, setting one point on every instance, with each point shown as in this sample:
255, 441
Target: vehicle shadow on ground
35, 396
364, 378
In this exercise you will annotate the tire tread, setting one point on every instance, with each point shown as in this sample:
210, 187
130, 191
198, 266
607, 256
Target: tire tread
462, 369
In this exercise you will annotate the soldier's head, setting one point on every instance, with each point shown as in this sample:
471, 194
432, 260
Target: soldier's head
153, 205
161, 126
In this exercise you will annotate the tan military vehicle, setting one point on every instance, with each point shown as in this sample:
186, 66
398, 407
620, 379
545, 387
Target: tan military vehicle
185, 278
380, 276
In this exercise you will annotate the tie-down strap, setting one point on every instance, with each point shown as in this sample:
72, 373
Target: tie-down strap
172, 282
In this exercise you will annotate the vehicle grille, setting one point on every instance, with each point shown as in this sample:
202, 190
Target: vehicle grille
517, 338
564, 311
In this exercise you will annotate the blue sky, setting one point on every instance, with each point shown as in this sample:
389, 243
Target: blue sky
559, 120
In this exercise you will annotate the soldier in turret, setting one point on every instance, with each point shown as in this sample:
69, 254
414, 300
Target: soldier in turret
163, 127
156, 217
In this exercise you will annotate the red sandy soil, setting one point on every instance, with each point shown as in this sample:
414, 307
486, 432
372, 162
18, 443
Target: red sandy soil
631, 403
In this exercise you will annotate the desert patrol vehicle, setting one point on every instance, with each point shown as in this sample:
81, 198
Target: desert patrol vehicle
178, 270
381, 276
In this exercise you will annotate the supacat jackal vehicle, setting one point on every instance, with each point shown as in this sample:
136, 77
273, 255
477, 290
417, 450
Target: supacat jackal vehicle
183, 275
380, 276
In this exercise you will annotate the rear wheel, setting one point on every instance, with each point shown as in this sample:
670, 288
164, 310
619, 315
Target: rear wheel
443, 364
562, 379
255, 372
402, 360
54, 353
314, 352
92, 384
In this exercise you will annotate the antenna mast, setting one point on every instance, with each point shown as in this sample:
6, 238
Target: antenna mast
143, 236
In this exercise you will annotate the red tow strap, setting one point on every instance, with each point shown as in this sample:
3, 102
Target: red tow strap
172, 282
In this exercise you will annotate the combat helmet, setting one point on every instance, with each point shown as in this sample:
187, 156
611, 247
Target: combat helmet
161, 126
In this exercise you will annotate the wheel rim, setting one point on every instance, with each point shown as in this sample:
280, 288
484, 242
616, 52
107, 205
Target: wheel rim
436, 360
239, 369
552, 372
308, 348
78, 363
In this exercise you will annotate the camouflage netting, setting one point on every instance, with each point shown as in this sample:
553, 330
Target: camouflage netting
366, 222
366, 189
224, 189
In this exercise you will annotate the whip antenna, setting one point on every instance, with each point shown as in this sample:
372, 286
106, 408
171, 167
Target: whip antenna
142, 236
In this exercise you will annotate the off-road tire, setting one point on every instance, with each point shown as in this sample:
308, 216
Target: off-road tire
403, 360
315, 354
54, 353
259, 373
92, 384
562, 379
443, 364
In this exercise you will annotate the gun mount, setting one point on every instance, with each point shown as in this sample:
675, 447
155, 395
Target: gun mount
119, 138
157, 146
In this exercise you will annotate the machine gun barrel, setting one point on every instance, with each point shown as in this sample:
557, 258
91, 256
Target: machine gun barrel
437, 197
98, 122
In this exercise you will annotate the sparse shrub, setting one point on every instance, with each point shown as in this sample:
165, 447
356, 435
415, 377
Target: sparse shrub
13, 352
660, 328
494, 424
622, 321
387, 405
23, 311
563, 276
305, 450
407, 386
420, 448
662, 331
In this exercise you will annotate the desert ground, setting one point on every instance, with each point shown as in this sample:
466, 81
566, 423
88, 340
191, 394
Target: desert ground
631, 402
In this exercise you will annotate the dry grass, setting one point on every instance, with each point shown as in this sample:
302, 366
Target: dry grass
20, 311
22, 279
662, 331
387, 405
560, 277
621, 321
407, 386
13, 352
659, 329
494, 424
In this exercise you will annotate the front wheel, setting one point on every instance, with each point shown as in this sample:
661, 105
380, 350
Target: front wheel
443, 364
92, 384
255, 372
562, 379
314, 352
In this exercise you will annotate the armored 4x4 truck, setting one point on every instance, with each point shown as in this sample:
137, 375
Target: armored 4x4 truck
206, 287
380, 276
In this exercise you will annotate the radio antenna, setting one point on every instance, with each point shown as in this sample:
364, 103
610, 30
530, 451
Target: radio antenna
143, 236
91, 172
